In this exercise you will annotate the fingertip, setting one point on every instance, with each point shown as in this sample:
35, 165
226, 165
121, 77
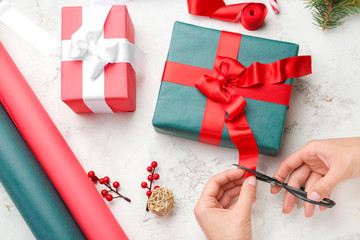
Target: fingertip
322, 208
309, 210
252, 181
240, 170
288, 203
314, 196
285, 210
247, 196
274, 189
249, 187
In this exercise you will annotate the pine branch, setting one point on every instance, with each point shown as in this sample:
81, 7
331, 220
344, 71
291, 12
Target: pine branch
329, 13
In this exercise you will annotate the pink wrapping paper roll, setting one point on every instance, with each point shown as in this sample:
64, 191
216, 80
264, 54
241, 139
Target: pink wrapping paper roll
64, 170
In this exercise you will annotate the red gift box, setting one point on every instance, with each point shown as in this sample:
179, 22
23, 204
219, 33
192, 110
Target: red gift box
114, 90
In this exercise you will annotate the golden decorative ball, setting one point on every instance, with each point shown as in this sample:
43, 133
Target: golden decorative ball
161, 201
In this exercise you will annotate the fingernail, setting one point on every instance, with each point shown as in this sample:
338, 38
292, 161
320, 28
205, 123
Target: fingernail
314, 196
252, 180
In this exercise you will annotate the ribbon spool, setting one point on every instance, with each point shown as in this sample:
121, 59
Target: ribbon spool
250, 15
253, 15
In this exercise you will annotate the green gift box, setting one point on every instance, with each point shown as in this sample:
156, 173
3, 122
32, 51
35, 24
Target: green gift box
180, 108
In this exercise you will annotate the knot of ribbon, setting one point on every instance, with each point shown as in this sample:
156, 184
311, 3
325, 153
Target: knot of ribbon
250, 15
85, 44
228, 73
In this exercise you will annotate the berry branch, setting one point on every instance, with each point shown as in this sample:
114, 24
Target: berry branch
153, 176
106, 181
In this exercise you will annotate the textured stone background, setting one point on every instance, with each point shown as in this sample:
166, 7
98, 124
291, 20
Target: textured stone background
323, 105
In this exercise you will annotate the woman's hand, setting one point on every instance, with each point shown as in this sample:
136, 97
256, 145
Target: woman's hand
218, 218
321, 165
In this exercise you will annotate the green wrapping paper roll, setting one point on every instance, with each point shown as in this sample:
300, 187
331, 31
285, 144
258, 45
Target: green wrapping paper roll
30, 189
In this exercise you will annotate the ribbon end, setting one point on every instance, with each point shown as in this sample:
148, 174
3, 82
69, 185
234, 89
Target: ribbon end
97, 66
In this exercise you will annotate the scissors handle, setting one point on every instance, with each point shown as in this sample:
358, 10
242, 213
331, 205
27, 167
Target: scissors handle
300, 193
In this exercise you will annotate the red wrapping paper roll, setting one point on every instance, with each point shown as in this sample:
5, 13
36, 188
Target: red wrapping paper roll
64, 170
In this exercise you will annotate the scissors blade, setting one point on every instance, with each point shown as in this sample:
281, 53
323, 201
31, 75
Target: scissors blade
252, 171
259, 176
246, 169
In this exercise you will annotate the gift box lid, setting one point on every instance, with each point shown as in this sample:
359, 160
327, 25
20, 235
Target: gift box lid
180, 109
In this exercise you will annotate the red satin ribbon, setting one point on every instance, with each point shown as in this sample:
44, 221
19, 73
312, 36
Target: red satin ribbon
250, 15
222, 85
227, 85
229, 73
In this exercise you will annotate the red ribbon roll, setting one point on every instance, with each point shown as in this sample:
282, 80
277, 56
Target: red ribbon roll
250, 15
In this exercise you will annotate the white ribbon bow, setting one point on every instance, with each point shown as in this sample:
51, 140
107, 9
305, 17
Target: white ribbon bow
85, 44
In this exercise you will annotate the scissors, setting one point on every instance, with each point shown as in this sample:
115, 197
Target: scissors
299, 193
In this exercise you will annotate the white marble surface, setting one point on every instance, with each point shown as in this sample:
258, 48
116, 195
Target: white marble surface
323, 105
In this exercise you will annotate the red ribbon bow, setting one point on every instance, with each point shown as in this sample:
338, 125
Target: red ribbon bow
224, 87
230, 74
250, 15
227, 73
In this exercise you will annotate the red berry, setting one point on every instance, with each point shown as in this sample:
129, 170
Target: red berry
148, 193
149, 169
144, 185
91, 174
156, 176
94, 179
116, 184
109, 197
106, 179
104, 192
154, 164
156, 187
101, 181
150, 177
